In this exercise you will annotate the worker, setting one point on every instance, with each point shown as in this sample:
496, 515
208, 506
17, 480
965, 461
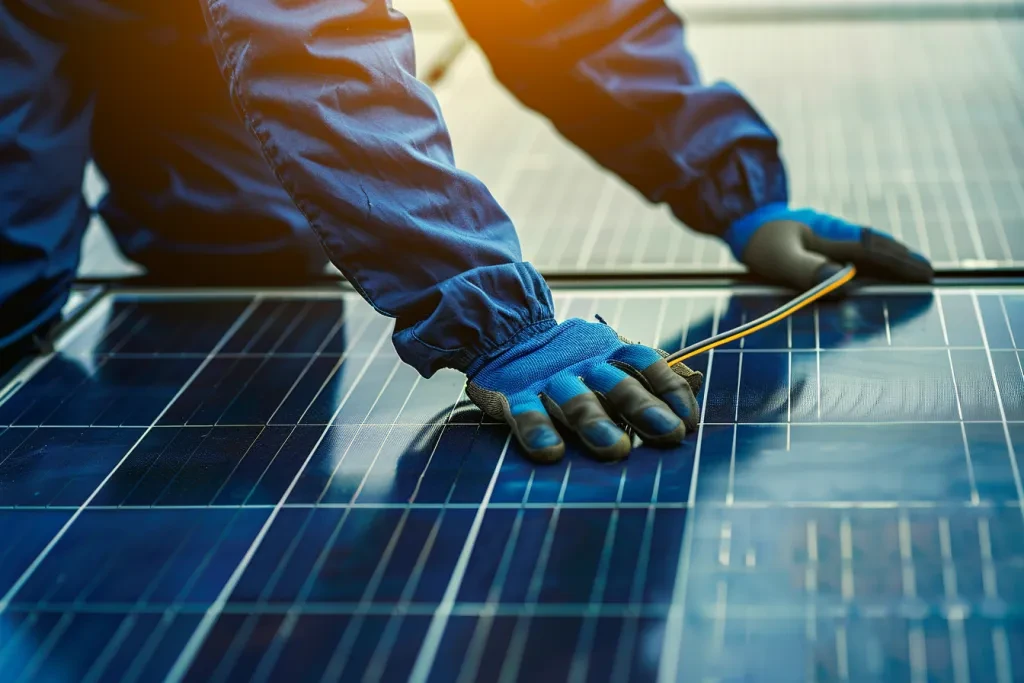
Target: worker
241, 137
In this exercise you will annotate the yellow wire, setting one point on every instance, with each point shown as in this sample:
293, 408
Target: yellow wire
781, 316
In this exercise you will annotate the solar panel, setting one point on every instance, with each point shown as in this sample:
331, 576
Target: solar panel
918, 135
252, 486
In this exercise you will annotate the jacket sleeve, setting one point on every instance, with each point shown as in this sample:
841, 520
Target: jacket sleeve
328, 88
616, 79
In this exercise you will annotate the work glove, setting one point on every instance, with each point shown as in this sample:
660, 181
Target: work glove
594, 384
800, 248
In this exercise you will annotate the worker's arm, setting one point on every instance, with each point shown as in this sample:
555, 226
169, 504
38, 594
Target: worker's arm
615, 78
328, 88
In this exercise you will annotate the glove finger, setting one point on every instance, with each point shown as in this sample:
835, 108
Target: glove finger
633, 402
877, 254
674, 390
535, 432
675, 387
579, 409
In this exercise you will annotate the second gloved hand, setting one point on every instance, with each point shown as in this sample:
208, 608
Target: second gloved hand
800, 248
592, 382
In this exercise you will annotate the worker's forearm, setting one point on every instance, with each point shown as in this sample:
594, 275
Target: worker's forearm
329, 89
615, 78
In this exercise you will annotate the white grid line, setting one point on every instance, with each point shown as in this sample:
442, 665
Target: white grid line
668, 664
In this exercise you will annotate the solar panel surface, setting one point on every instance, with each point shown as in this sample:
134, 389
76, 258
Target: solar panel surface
251, 486
918, 135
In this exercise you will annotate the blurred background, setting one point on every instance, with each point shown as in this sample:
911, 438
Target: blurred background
906, 114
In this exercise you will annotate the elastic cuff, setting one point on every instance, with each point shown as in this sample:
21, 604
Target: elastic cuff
739, 233
475, 314
476, 364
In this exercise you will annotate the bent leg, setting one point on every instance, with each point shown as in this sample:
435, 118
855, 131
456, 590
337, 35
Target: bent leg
191, 198
45, 114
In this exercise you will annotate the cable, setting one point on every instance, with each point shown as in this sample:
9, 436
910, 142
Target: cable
808, 297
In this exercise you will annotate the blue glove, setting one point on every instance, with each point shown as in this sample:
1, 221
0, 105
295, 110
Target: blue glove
800, 248
593, 382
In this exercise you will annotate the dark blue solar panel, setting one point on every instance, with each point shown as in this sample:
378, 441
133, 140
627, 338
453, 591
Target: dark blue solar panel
238, 488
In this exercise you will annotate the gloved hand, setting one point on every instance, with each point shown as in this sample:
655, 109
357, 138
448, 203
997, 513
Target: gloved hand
800, 248
591, 381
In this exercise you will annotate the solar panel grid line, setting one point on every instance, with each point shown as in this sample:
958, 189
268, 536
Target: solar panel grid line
599, 218
336, 664
332, 334
379, 658
141, 604
954, 621
439, 620
376, 669
817, 361
1001, 647
959, 407
13, 590
915, 632
106, 655
863, 504
948, 146
585, 642
1001, 655
669, 663
999, 398
337, 368
239, 641
447, 422
729, 496
517, 644
149, 648
187, 656
1015, 188
912, 610
37, 363
475, 650
45, 647
293, 611
627, 643
789, 382
348, 448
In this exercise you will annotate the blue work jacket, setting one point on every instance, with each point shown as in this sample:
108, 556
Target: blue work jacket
328, 87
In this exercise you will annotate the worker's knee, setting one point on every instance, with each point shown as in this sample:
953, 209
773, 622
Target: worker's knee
192, 242
30, 309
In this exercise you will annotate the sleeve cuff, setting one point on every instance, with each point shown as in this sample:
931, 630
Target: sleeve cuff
475, 315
